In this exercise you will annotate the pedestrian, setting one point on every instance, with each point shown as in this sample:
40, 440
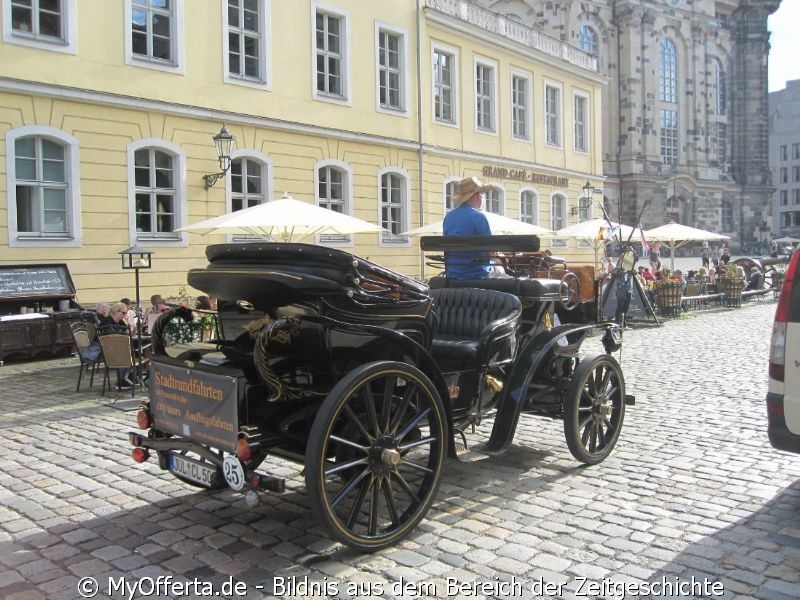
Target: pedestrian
715, 256
725, 254
654, 257
704, 255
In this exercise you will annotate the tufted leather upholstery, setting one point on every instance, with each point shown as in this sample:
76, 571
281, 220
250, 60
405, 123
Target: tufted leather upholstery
522, 287
474, 326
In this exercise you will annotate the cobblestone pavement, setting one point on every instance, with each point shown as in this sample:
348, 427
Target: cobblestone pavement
692, 489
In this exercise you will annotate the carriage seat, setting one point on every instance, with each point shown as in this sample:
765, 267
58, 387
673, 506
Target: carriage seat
474, 327
523, 288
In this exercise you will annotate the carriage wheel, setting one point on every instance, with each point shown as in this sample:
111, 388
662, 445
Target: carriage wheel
569, 292
375, 453
594, 408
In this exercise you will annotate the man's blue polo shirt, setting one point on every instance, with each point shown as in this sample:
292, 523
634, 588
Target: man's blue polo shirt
466, 220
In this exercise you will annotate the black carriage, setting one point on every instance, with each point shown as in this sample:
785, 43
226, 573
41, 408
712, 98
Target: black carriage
367, 378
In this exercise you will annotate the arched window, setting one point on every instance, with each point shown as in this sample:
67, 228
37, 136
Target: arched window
667, 71
247, 183
334, 191
495, 201
587, 40
156, 192
40, 165
720, 84
393, 206
558, 216
529, 207
673, 210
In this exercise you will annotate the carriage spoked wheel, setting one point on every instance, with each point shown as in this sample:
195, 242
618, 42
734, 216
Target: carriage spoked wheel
375, 453
594, 408
569, 292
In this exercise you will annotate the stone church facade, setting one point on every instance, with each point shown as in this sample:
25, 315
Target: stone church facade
685, 115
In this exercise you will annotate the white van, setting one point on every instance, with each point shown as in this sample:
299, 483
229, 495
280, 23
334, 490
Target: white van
783, 394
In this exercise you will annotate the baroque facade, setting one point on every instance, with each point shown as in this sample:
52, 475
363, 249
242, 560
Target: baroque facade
107, 110
784, 110
685, 129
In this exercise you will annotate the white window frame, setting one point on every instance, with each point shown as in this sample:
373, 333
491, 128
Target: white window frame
67, 43
535, 213
576, 125
562, 196
381, 27
501, 193
264, 81
334, 11
344, 241
668, 71
177, 65
454, 85
485, 63
669, 143
588, 43
527, 108
266, 182
388, 239
73, 237
559, 115
179, 238
449, 181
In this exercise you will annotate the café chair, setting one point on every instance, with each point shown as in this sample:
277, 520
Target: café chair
118, 354
82, 335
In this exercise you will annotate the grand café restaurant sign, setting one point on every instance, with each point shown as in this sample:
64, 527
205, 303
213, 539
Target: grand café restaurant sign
524, 175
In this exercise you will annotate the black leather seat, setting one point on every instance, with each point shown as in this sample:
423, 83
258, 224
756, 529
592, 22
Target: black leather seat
474, 327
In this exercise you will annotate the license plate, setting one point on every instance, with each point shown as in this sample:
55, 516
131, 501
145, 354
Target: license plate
191, 469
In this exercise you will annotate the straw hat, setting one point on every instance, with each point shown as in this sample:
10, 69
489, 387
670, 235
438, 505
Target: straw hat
467, 188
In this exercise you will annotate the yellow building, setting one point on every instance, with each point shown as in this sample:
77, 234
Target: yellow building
107, 110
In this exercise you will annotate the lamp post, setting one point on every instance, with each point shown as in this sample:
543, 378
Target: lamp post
137, 258
584, 202
223, 143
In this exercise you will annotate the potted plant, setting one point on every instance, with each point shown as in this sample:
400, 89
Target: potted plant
731, 283
667, 293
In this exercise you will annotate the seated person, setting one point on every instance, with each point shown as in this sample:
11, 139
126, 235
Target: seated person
115, 323
754, 279
467, 219
100, 312
647, 275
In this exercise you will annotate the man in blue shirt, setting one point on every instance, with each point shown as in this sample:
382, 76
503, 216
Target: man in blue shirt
467, 219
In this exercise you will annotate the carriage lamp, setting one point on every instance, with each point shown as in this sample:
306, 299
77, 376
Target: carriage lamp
584, 202
223, 143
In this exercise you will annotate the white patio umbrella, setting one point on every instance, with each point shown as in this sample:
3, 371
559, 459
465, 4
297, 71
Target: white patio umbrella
598, 231
498, 224
676, 235
787, 239
283, 219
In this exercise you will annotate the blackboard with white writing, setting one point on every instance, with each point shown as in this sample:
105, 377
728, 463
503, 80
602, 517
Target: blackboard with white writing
31, 281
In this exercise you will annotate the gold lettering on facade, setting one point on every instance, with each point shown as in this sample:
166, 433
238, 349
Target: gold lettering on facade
524, 175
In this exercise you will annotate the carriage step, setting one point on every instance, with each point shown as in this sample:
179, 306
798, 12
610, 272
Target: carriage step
630, 400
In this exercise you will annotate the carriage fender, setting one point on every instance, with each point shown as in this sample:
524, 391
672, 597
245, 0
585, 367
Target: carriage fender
527, 362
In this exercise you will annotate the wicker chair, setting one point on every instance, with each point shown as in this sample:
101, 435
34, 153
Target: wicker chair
118, 354
82, 335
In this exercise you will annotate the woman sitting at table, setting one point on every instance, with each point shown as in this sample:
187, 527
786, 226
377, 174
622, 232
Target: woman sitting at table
115, 323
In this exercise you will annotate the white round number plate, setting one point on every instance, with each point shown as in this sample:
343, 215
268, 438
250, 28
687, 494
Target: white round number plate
234, 473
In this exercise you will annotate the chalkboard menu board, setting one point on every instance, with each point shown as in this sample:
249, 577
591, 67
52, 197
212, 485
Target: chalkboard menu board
32, 281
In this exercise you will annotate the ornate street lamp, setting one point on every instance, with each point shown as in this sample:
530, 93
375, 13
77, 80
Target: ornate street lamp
223, 143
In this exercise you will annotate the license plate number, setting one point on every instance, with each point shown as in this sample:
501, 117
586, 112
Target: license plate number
191, 469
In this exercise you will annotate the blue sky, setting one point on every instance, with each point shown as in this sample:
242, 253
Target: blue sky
784, 54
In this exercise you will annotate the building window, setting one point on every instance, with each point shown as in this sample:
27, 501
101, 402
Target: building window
787, 219
520, 106
796, 196
667, 72
673, 210
42, 189
153, 30
784, 197
726, 216
795, 151
494, 201
333, 193
529, 207
247, 183
784, 152
720, 81
784, 175
484, 97
795, 174
330, 54
722, 144
669, 137
44, 24
391, 64
552, 115
580, 121
156, 193
393, 207
449, 191
443, 85
246, 39
558, 213
587, 40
